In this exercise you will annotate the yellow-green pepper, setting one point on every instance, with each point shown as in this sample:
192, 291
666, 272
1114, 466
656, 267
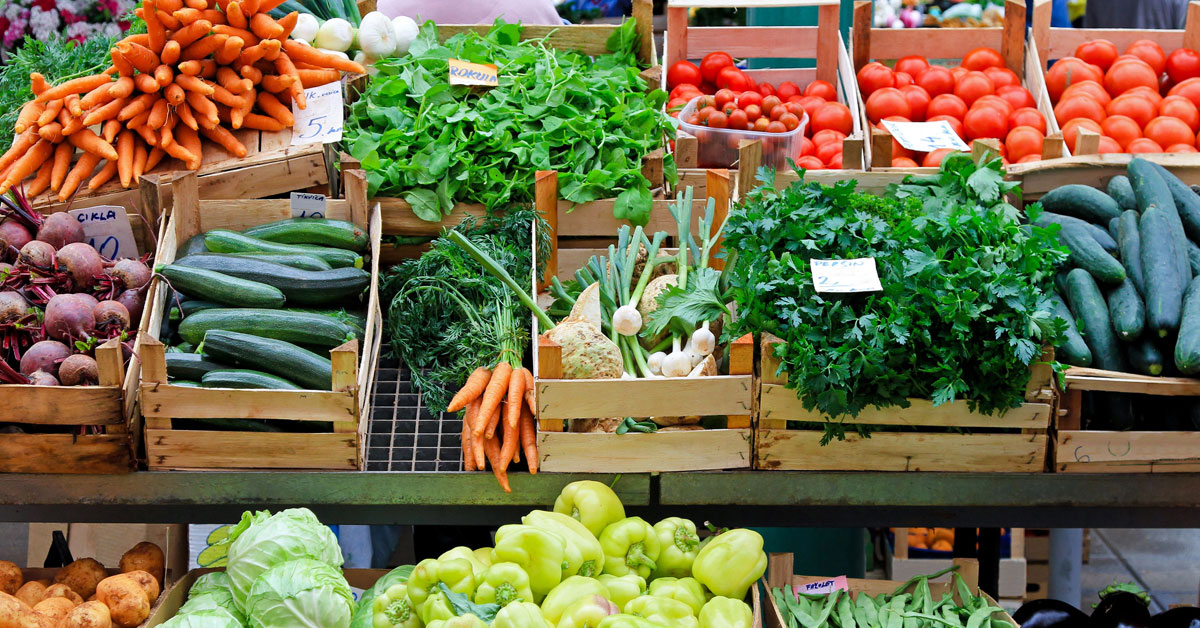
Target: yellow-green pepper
662, 610
679, 545
436, 606
462, 621
686, 590
628, 621
467, 554
587, 612
540, 553
583, 552
484, 555
521, 615
392, 609
621, 589
591, 503
457, 573
630, 546
731, 563
503, 584
567, 592
723, 612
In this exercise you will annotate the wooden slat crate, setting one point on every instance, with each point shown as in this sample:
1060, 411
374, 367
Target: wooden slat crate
901, 566
346, 406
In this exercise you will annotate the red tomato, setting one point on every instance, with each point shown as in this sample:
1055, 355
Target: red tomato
712, 63
810, 104
947, 104
733, 78
1067, 71
972, 86
775, 126
1016, 96
686, 90
753, 112
1189, 89
902, 79
777, 112
810, 162
1149, 51
918, 100
738, 120
1167, 131
821, 89
708, 88
724, 97
954, 123
885, 102
1109, 145
807, 147
1098, 52
745, 99
873, 76
761, 124
1028, 158
707, 101
1002, 77
913, 65
705, 113
982, 57
1183, 64
683, 72
1181, 148
826, 151
1079, 106
835, 162
694, 120
796, 109
937, 81
995, 102
1070, 130
771, 102
933, 159
1121, 128
718, 120
729, 108
1126, 75
1144, 145
1182, 108
787, 89
1141, 109
765, 89
1022, 141
985, 122
903, 162
828, 135
790, 121
677, 104
1027, 116
1091, 88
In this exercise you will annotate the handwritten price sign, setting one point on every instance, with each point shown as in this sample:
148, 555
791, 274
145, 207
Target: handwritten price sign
106, 228
822, 587
925, 136
464, 73
321, 119
306, 205
845, 275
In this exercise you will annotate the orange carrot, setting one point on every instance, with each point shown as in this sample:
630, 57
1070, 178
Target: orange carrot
317, 78
266, 6
199, 5
154, 158
529, 441
106, 173
208, 69
29, 115
492, 447
41, 181
187, 15
146, 83
140, 57
224, 96
237, 31
62, 163
213, 15
191, 67
299, 52
99, 96
178, 151
288, 22
190, 140
169, 6
70, 123
193, 84
251, 73
136, 106
278, 84
204, 109
71, 102
140, 154
141, 39
472, 389
154, 28
230, 51
22, 143
50, 112
148, 134
265, 26
203, 47
230, 80
511, 437
222, 137
284, 66
233, 13
37, 83
184, 111
86, 140
80, 85
516, 391
261, 123
125, 157
27, 164
174, 94
258, 51
468, 452
171, 52
168, 21
494, 393
249, 7
107, 111
158, 114
191, 33
111, 129
237, 116
123, 88
83, 169
164, 75
52, 132
272, 107
529, 383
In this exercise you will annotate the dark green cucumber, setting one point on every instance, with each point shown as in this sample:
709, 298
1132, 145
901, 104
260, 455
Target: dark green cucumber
301, 287
1194, 258
191, 306
1083, 202
245, 378
1125, 310
185, 383
1145, 357
221, 288
186, 347
304, 329
1187, 346
322, 232
295, 260
1151, 189
1186, 201
1102, 237
1129, 242
226, 241
1121, 192
1087, 254
1060, 279
190, 366
1160, 270
194, 244
166, 329
1112, 232
1087, 303
1074, 350
272, 356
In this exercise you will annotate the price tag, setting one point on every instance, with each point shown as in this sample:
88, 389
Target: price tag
845, 275
305, 205
925, 136
823, 587
321, 118
464, 73
106, 228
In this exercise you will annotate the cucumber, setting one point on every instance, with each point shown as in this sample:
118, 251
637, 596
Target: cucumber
303, 262
190, 366
186, 383
194, 244
1102, 237
323, 232
166, 329
1160, 270
1145, 357
1150, 188
1187, 346
226, 241
185, 347
245, 378
1074, 350
272, 356
301, 287
1130, 244
305, 329
1194, 258
1186, 201
1087, 254
1125, 309
1112, 231
1121, 192
1083, 202
1094, 325
191, 306
222, 288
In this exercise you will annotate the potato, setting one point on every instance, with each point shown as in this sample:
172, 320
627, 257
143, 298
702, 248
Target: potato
55, 608
82, 576
16, 614
62, 590
145, 556
31, 593
147, 582
10, 577
127, 602
87, 615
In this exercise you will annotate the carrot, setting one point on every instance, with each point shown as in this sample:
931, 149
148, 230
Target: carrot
221, 136
204, 109
224, 96
299, 52
272, 107
186, 116
475, 451
193, 84
135, 106
140, 57
106, 173
158, 114
529, 441
27, 164
52, 132
203, 47
154, 158
148, 134
266, 6
141, 39
199, 5
123, 88
83, 168
125, 156
80, 85
237, 116
512, 436
492, 447
140, 154
98, 96
261, 123
111, 129
191, 33
168, 21
71, 102
70, 123
258, 51
468, 452
178, 151
37, 83
50, 112
235, 31
29, 115
223, 5
471, 389
230, 80
164, 75
233, 13
190, 140
516, 390
317, 78
174, 94
169, 6
230, 51
154, 28
62, 163
190, 67
285, 68
208, 69
288, 22
87, 140
494, 392
250, 7
265, 26
41, 181
278, 84
529, 391
145, 83
251, 73
213, 15
187, 15
109, 110
23, 142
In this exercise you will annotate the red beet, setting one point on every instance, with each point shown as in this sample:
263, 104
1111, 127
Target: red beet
69, 317
42, 378
83, 262
132, 300
37, 253
130, 272
12, 306
60, 229
12, 234
44, 356
111, 315
78, 370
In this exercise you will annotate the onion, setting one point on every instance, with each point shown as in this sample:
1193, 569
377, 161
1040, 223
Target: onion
627, 321
83, 262
79, 370
406, 33
44, 356
376, 37
60, 229
306, 28
335, 34
655, 362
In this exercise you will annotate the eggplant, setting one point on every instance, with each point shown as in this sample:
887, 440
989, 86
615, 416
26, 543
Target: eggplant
1050, 614
1182, 617
1122, 606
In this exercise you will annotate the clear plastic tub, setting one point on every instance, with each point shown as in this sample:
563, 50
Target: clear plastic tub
718, 148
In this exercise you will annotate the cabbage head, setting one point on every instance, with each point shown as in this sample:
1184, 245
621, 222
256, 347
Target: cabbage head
301, 593
266, 542
207, 618
216, 599
209, 582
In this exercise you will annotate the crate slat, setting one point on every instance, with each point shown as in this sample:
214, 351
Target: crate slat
676, 396
66, 453
780, 401
689, 450
181, 402
1114, 381
901, 451
754, 41
196, 449
1129, 452
53, 405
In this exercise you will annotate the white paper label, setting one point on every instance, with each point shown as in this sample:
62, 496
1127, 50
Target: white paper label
823, 587
924, 137
305, 205
107, 229
321, 118
845, 275
464, 73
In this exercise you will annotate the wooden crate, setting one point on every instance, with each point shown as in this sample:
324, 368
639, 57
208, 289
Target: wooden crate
346, 406
1021, 448
901, 566
1095, 170
822, 43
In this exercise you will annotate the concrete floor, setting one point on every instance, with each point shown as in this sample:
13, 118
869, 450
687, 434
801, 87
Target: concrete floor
1164, 562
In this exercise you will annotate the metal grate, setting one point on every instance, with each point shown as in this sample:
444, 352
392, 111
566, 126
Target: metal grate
404, 435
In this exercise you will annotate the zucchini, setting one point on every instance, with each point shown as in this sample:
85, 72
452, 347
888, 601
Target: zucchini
222, 288
1074, 350
1160, 270
166, 329
191, 306
323, 232
190, 366
1113, 226
1121, 192
272, 356
295, 260
1187, 346
194, 244
186, 383
301, 287
1083, 202
1125, 309
1087, 254
358, 320
245, 378
1194, 258
1187, 204
300, 328
1130, 243
1145, 357
185, 347
1150, 188
1094, 325
226, 241
1102, 237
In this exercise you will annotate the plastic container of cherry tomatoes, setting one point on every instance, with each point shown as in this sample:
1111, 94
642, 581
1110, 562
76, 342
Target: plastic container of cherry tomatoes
718, 148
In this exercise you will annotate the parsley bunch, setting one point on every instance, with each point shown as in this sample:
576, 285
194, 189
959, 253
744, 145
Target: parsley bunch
964, 307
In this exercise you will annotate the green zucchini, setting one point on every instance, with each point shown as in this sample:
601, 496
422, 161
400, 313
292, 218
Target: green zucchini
1194, 258
191, 306
1121, 192
1094, 325
194, 244
186, 347
1187, 346
1102, 237
245, 378
1187, 204
185, 383
1087, 254
190, 366
226, 241
356, 319
1160, 270
222, 288
1150, 188
1125, 309
1130, 244
340, 234
166, 329
1074, 350
301, 287
272, 356
295, 260
1083, 202
1145, 357
304, 329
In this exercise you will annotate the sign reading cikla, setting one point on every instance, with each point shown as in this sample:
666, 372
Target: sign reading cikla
321, 118
924, 137
465, 73
106, 228
845, 275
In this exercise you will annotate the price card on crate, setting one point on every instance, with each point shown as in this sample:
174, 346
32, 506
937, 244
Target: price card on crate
924, 137
107, 229
845, 275
464, 73
823, 587
306, 205
321, 118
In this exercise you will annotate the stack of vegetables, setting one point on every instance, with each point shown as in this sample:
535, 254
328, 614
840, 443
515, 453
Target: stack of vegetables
251, 309
337, 28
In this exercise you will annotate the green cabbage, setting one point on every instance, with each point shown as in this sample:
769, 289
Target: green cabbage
206, 618
301, 593
269, 541
209, 582
216, 599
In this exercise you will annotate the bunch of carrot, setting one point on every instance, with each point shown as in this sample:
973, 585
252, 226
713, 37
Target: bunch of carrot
200, 70
497, 399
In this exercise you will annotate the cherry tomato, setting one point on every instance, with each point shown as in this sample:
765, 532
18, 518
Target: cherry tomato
732, 78
738, 120
694, 120
707, 101
753, 112
766, 89
729, 108
706, 113
787, 89
718, 120
795, 109
712, 63
790, 120
745, 99
725, 96
775, 126
761, 124
771, 102
683, 72
778, 112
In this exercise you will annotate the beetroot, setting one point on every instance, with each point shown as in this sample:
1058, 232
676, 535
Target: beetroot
83, 262
111, 316
13, 306
37, 253
13, 234
69, 317
60, 229
132, 273
42, 378
133, 301
44, 356
78, 370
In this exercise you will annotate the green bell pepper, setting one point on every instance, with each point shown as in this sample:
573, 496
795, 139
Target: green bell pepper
723, 612
392, 609
679, 542
583, 551
686, 590
731, 563
436, 606
587, 612
467, 554
621, 589
630, 546
628, 621
457, 573
503, 584
541, 554
521, 615
462, 621
662, 610
484, 555
565, 594
591, 503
